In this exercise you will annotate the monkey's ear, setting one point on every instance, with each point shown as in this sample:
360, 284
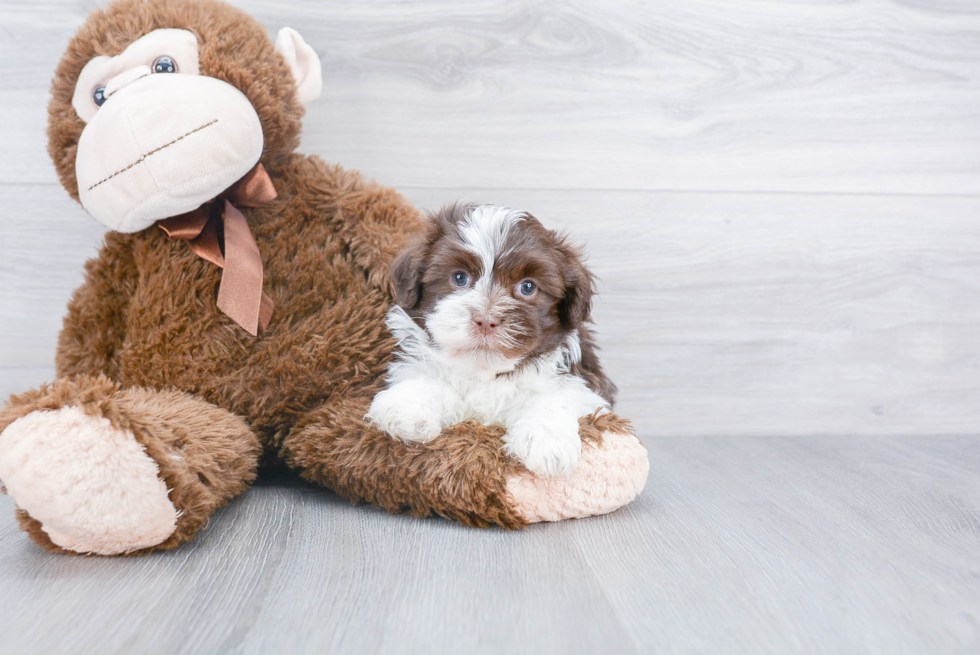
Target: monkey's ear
303, 62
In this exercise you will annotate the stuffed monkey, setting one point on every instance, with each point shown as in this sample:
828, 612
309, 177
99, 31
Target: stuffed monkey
236, 308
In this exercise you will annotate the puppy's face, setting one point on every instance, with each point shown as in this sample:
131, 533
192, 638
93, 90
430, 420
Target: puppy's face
492, 286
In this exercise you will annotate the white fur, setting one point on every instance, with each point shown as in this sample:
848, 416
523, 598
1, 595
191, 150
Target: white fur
539, 404
484, 231
450, 325
416, 409
92, 486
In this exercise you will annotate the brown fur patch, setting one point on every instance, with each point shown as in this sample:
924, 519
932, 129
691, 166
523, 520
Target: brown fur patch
592, 427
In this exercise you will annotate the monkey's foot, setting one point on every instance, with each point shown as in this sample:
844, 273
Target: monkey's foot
90, 485
610, 474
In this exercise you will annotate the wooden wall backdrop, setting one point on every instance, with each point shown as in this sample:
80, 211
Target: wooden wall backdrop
782, 200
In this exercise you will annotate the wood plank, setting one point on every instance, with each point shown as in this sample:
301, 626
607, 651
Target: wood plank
807, 96
804, 545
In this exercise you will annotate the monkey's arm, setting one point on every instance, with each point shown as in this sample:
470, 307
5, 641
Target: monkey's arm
94, 327
463, 474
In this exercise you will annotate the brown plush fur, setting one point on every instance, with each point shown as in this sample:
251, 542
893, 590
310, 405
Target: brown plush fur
144, 344
593, 426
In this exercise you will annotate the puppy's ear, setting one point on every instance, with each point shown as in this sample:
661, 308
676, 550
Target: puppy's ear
406, 273
575, 307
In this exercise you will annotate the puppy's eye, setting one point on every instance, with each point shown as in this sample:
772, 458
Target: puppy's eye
98, 96
460, 279
526, 288
164, 64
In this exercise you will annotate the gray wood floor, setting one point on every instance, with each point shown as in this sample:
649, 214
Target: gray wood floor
783, 203
751, 545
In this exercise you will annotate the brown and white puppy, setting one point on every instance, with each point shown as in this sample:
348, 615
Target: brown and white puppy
492, 322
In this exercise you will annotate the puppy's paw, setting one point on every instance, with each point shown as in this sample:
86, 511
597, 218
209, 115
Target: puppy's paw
414, 424
545, 448
409, 412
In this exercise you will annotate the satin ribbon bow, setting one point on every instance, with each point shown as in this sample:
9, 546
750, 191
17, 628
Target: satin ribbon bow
240, 294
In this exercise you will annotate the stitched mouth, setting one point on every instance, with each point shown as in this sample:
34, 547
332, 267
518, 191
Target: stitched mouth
153, 152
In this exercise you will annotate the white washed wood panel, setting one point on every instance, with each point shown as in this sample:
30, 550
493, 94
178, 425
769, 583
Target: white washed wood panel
47, 238
871, 96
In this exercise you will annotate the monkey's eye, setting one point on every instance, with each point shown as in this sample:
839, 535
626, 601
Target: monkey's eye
526, 288
98, 96
460, 279
164, 64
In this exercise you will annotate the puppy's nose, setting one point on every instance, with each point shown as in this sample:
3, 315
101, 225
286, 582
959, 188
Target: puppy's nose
485, 324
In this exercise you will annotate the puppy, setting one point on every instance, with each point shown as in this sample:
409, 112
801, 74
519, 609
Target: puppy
492, 324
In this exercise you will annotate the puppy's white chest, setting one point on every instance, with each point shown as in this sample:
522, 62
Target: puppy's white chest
489, 402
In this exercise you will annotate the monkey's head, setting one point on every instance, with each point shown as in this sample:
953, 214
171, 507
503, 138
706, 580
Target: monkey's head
158, 107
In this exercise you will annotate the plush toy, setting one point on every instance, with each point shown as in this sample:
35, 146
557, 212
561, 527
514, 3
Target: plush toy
237, 307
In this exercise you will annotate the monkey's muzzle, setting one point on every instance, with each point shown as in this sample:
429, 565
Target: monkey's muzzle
163, 145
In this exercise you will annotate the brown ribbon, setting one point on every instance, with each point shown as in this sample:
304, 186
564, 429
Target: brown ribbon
240, 294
